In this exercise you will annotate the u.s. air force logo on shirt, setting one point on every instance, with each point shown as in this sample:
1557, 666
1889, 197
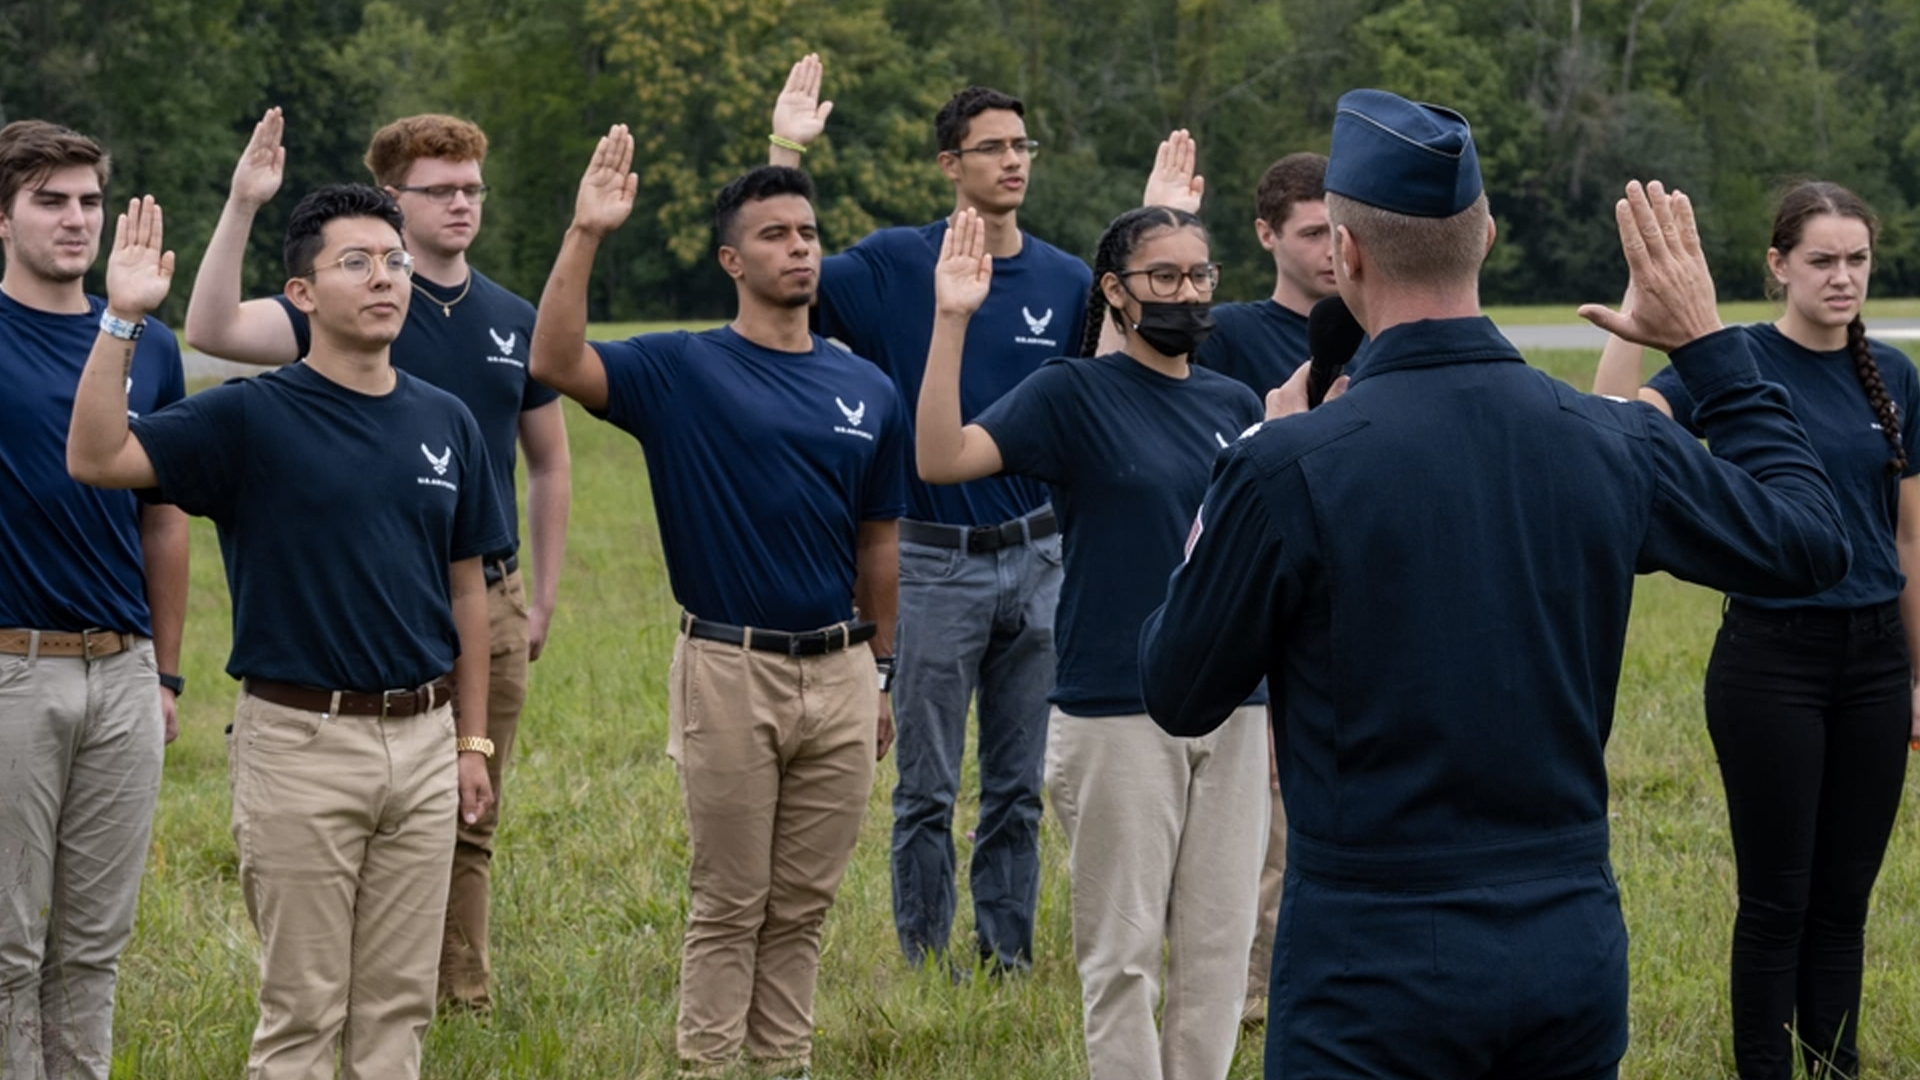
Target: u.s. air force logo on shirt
439, 463
504, 345
854, 414
1036, 329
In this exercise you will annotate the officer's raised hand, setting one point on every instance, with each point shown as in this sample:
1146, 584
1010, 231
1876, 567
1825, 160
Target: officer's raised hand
799, 116
1173, 181
1672, 289
608, 188
965, 270
257, 175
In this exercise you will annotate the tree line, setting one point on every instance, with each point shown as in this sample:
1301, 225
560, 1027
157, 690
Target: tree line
1726, 99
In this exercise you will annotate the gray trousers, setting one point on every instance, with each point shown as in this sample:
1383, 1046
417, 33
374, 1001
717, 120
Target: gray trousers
80, 750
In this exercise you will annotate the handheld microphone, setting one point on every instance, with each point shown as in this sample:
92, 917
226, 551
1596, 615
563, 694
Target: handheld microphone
1333, 336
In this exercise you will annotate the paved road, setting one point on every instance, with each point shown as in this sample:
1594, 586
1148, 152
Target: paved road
1567, 336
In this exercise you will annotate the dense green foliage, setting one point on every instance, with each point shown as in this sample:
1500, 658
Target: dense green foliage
1725, 98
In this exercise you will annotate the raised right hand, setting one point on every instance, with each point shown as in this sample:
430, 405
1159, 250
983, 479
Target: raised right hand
1670, 299
608, 188
965, 270
798, 113
138, 272
256, 178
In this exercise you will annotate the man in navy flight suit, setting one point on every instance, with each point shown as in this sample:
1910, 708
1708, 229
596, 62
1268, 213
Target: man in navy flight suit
1434, 572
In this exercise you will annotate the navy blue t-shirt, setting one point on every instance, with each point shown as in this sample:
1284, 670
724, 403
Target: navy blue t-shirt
475, 350
763, 464
1259, 343
1845, 431
1126, 453
877, 297
71, 553
338, 516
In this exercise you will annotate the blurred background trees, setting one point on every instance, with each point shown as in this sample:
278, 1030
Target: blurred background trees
1726, 99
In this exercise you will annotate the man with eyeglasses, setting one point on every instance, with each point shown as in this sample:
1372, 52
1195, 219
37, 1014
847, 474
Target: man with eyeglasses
466, 335
354, 504
979, 562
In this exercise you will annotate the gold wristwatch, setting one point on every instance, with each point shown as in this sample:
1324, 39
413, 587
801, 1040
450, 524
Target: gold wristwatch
479, 744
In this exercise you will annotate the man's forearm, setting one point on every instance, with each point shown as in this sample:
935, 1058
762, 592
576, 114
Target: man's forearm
215, 302
470, 668
561, 324
163, 552
876, 582
549, 502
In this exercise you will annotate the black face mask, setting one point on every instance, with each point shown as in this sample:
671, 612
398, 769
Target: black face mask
1174, 329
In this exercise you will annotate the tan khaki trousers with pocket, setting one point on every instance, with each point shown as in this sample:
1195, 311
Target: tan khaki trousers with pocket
776, 758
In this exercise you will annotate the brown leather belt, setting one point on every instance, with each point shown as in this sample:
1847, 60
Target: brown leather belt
91, 644
352, 702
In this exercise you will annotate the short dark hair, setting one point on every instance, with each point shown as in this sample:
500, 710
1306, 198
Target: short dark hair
1296, 178
32, 149
327, 203
951, 122
764, 182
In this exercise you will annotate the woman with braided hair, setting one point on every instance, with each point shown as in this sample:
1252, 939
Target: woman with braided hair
1165, 834
1811, 702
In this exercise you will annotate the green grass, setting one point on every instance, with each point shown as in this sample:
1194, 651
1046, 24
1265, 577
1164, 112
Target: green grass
590, 877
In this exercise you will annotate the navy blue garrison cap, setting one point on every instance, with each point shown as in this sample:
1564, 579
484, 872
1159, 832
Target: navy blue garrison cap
1402, 156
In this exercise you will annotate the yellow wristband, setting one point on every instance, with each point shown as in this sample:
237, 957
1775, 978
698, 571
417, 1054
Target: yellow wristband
785, 143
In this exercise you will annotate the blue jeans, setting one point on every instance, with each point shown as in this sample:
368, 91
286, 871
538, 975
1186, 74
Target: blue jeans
972, 622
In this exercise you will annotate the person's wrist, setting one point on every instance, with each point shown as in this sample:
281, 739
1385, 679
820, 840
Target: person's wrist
787, 142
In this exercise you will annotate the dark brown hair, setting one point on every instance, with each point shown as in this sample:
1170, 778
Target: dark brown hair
956, 116
32, 149
1802, 203
1296, 178
430, 135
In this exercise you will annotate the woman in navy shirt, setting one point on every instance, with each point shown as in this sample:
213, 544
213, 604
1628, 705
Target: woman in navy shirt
1166, 834
1809, 702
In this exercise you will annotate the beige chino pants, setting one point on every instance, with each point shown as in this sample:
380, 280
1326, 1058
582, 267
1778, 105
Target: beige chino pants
1166, 838
776, 758
80, 751
345, 828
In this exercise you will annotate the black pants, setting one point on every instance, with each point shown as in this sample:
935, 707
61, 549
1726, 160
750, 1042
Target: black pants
1809, 712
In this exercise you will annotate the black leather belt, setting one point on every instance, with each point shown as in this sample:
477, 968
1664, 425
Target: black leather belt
807, 643
352, 702
496, 570
977, 539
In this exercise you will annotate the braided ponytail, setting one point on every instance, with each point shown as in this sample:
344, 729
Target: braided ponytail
1117, 245
1868, 371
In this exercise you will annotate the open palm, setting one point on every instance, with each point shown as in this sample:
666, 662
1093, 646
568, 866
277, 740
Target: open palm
607, 190
139, 272
965, 270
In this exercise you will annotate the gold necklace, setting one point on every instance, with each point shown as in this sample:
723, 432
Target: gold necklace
446, 306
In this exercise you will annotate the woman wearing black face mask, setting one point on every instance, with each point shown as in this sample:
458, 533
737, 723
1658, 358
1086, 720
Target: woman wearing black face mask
1126, 443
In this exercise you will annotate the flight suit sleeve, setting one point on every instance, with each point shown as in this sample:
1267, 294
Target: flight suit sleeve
1206, 648
1755, 516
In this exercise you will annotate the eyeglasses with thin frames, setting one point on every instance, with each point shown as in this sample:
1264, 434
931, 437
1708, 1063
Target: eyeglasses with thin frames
1164, 281
994, 148
358, 265
444, 193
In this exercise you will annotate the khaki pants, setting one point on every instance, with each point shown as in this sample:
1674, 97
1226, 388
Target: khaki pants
466, 970
1166, 837
80, 749
776, 762
345, 830
1260, 963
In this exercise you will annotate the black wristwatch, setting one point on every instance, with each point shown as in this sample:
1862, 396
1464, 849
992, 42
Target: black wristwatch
885, 664
175, 683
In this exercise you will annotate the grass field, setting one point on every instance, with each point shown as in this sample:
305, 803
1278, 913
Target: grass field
590, 878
